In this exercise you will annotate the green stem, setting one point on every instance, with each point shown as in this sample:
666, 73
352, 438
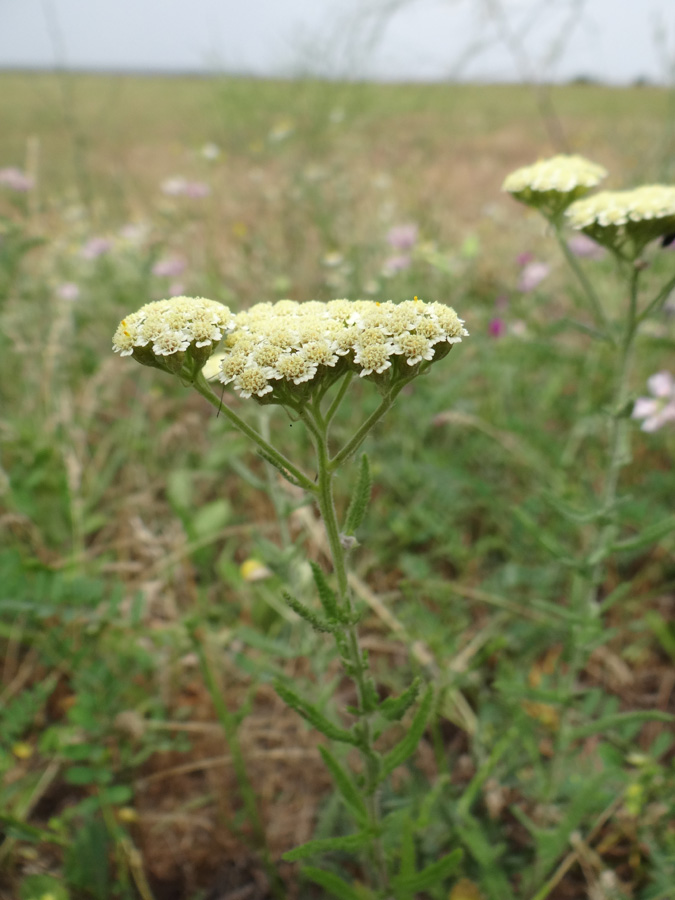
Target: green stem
601, 320
356, 661
357, 439
660, 298
202, 385
618, 442
278, 501
229, 726
333, 408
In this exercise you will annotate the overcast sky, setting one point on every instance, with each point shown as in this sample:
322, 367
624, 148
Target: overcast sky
612, 40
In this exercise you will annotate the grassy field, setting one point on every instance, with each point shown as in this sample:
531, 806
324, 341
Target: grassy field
128, 508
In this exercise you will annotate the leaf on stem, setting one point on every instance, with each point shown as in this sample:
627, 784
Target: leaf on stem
394, 708
348, 790
347, 843
318, 623
408, 745
326, 595
310, 712
336, 885
360, 498
647, 536
430, 875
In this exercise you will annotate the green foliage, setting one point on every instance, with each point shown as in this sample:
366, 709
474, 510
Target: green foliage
349, 792
358, 505
394, 708
326, 594
348, 843
335, 885
408, 745
314, 716
405, 886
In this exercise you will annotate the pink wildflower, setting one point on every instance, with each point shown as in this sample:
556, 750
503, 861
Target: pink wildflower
180, 187
402, 237
496, 327
15, 179
532, 275
169, 267
395, 264
68, 291
524, 258
95, 247
197, 190
659, 409
586, 248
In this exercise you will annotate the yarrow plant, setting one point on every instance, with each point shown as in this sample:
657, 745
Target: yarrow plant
624, 222
552, 184
303, 356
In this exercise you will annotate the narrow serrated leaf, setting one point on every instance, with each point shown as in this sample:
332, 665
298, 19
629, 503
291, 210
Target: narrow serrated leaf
333, 884
326, 595
347, 843
309, 712
317, 622
408, 745
647, 536
617, 720
360, 498
346, 787
394, 708
430, 875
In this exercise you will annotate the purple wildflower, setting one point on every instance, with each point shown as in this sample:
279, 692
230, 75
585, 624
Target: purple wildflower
180, 187
95, 247
659, 409
586, 248
496, 327
402, 237
197, 190
524, 258
176, 289
532, 275
15, 179
169, 267
68, 291
394, 264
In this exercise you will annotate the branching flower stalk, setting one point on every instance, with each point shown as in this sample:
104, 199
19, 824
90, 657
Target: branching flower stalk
292, 355
624, 222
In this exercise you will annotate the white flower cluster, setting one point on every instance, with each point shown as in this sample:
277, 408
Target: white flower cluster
649, 203
289, 343
167, 327
562, 174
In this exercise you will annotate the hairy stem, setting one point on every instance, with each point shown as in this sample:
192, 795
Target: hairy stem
601, 320
204, 389
356, 661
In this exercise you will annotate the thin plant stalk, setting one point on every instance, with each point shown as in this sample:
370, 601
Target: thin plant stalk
356, 660
597, 309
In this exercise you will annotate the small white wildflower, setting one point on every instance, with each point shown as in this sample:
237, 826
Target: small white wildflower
659, 409
171, 327
637, 216
552, 184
